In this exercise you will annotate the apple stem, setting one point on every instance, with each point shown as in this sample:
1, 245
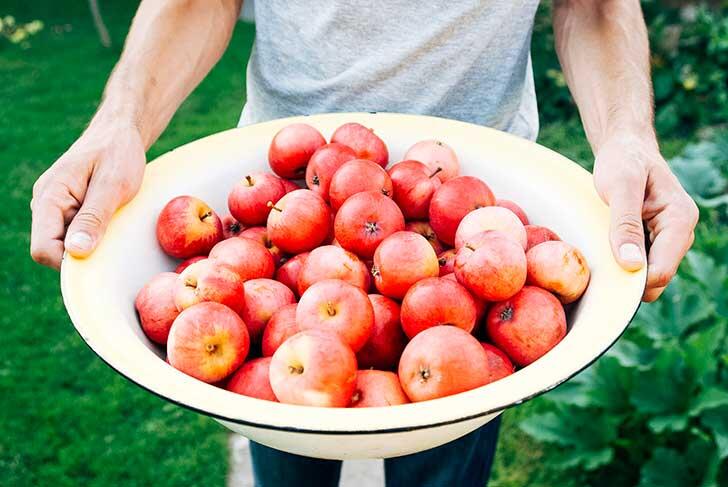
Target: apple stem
442, 261
315, 180
210, 347
469, 247
330, 309
385, 192
273, 207
439, 169
295, 369
206, 215
424, 373
249, 179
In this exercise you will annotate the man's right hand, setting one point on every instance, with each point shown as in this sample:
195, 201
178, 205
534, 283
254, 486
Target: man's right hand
75, 198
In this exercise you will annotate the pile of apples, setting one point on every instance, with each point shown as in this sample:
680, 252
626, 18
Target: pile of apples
372, 287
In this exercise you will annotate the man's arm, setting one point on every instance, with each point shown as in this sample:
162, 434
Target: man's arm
171, 46
604, 52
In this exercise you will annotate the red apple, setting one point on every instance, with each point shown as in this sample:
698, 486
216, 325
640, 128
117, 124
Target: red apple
249, 198
188, 262
442, 361
247, 257
332, 262
437, 301
377, 388
446, 260
288, 273
364, 220
314, 368
208, 341
424, 229
207, 280
230, 226
357, 176
364, 142
260, 234
263, 297
490, 218
387, 341
187, 227
291, 149
280, 327
527, 325
508, 204
536, 235
322, 166
156, 308
337, 306
439, 158
560, 268
299, 222
455, 199
252, 380
401, 260
413, 184
499, 365
289, 185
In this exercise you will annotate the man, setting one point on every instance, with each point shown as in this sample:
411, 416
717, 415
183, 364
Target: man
467, 60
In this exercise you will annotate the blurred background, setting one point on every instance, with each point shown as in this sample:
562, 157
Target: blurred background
652, 412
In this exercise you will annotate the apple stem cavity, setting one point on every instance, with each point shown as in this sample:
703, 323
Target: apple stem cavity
298, 369
424, 373
371, 227
442, 261
375, 271
507, 313
315, 180
330, 310
385, 192
210, 348
249, 180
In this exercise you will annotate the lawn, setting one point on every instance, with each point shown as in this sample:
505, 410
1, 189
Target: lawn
66, 418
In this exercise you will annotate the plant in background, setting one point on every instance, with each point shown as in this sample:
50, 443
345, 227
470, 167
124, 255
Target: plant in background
17, 33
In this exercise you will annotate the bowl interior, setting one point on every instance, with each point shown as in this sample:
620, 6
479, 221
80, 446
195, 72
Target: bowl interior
99, 291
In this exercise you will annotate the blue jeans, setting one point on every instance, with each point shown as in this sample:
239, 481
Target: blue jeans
465, 462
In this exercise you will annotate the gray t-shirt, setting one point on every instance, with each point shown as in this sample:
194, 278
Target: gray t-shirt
467, 60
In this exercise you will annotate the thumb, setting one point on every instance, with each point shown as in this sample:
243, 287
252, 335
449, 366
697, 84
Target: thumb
88, 226
626, 229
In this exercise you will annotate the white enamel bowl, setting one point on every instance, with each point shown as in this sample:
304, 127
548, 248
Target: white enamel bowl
99, 291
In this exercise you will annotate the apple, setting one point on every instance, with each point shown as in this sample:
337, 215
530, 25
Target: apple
536, 235
424, 229
291, 149
188, 262
490, 218
230, 227
262, 298
332, 262
249, 198
364, 142
446, 260
208, 341
560, 268
187, 227
299, 221
356, 176
442, 361
247, 257
156, 308
499, 365
322, 166
527, 325
252, 380
480, 306
491, 265
413, 184
314, 368
387, 341
337, 306
401, 260
260, 234
289, 185
288, 273
377, 388
453, 200
207, 280
510, 205
439, 158
437, 301
364, 220
280, 327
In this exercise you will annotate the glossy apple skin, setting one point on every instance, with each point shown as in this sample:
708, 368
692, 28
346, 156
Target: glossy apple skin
517, 210
263, 297
442, 361
260, 234
156, 308
337, 306
289, 185
536, 234
322, 166
453, 200
280, 327
401, 260
413, 185
377, 388
248, 200
207, 280
446, 260
387, 341
288, 273
424, 229
188, 262
332, 262
291, 149
560, 268
490, 218
247, 257
491, 265
437, 301
230, 227
357, 176
299, 222
364, 220
499, 365
527, 325
439, 158
314, 368
187, 227
208, 341
364, 141
252, 380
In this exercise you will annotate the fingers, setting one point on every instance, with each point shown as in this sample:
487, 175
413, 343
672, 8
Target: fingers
626, 229
652, 294
48, 228
667, 250
88, 226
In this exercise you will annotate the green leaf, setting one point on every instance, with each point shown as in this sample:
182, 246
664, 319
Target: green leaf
698, 171
672, 423
629, 354
666, 388
571, 393
716, 420
582, 429
700, 350
711, 276
710, 398
666, 468
587, 459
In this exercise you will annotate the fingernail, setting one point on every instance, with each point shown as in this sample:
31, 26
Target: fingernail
80, 241
629, 252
